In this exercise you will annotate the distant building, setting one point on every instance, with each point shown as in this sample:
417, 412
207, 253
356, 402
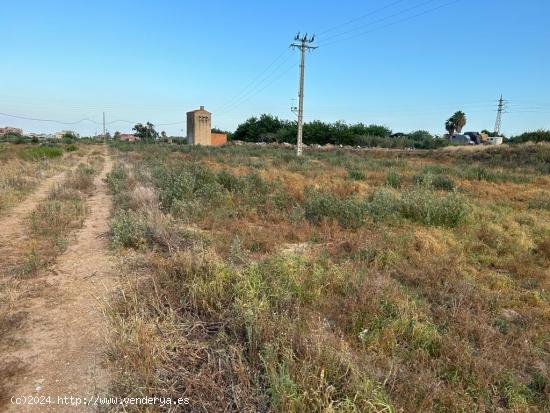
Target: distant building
129, 137
9, 129
60, 134
218, 138
495, 140
41, 136
199, 127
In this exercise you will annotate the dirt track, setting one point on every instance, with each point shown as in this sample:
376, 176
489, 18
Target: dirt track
61, 341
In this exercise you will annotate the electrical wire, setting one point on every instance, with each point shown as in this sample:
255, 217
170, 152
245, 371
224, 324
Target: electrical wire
392, 23
260, 90
257, 88
374, 22
245, 90
360, 17
50, 120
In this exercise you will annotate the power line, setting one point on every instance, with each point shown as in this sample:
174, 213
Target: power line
392, 23
382, 19
257, 92
134, 122
50, 120
84, 120
360, 17
257, 89
245, 90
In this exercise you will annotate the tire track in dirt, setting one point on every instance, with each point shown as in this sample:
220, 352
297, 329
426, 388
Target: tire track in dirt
64, 332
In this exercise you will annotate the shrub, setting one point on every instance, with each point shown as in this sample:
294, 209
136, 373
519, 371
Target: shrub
443, 182
116, 179
437, 181
188, 183
383, 204
351, 212
71, 148
356, 175
319, 205
393, 179
425, 207
172, 185
256, 188
230, 182
211, 191
42, 152
129, 229
281, 199
540, 135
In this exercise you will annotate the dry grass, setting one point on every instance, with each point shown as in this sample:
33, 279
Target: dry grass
19, 175
252, 281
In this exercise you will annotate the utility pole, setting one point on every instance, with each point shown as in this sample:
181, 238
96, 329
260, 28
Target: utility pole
303, 45
103, 126
500, 110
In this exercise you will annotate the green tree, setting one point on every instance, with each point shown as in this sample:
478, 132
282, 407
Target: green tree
455, 123
68, 136
420, 135
145, 132
450, 126
256, 129
268, 128
460, 120
540, 135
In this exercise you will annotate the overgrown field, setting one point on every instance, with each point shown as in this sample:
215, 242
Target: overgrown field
23, 167
346, 281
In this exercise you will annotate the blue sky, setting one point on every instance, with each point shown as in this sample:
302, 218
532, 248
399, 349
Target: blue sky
406, 64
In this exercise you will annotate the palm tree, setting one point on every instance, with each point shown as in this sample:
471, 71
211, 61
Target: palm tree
455, 123
450, 126
459, 120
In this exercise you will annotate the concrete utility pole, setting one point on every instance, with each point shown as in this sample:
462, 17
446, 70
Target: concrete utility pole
500, 110
303, 45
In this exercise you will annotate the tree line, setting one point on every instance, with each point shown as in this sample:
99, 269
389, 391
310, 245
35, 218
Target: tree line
270, 129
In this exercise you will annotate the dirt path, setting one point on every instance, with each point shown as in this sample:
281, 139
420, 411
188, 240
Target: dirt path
63, 334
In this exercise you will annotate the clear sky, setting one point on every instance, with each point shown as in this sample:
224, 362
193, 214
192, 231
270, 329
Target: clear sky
406, 64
